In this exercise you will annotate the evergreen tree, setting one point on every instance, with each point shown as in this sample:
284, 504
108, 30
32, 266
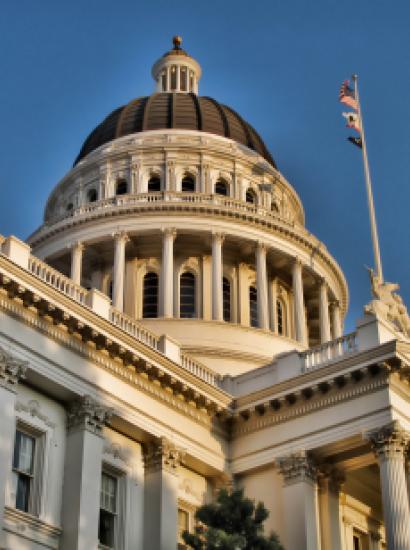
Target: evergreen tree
233, 522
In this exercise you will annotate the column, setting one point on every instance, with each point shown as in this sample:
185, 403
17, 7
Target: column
77, 250
206, 288
217, 286
262, 286
82, 473
168, 86
324, 312
11, 371
300, 502
336, 320
300, 320
331, 521
389, 444
161, 459
178, 78
120, 240
167, 272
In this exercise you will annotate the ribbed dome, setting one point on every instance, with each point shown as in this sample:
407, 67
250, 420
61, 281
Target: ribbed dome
179, 111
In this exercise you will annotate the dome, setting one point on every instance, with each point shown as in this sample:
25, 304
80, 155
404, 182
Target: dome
173, 110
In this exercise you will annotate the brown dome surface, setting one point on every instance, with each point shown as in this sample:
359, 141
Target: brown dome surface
161, 111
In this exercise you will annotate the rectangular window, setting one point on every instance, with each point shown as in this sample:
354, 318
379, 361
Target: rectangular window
23, 469
108, 510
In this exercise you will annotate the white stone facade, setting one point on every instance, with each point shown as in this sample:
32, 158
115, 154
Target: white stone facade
157, 343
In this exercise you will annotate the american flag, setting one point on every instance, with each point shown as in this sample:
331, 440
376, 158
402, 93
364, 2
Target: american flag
346, 96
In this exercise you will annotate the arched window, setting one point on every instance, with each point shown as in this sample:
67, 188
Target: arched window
150, 296
110, 289
154, 184
221, 188
173, 77
274, 207
92, 195
280, 317
187, 295
122, 187
188, 184
253, 306
250, 196
226, 299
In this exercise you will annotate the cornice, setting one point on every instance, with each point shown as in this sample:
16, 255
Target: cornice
340, 367
63, 318
281, 410
296, 233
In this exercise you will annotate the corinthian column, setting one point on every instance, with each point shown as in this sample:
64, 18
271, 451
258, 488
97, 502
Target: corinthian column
389, 444
324, 313
262, 286
300, 318
121, 240
167, 272
76, 262
217, 287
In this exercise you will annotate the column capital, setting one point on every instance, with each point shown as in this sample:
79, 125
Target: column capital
261, 246
297, 466
77, 245
162, 455
121, 236
297, 262
334, 304
218, 236
390, 441
11, 370
87, 414
323, 283
169, 231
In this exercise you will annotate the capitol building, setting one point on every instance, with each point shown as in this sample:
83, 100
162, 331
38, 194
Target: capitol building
172, 328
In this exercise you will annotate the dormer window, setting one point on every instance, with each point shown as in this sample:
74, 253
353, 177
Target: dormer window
122, 187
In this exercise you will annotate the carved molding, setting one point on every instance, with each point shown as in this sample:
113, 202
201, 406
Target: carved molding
11, 370
297, 466
87, 414
117, 452
33, 408
389, 442
162, 455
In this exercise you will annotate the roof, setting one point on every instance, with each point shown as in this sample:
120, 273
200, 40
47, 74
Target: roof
162, 111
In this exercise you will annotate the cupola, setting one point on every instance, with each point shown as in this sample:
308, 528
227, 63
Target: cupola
176, 71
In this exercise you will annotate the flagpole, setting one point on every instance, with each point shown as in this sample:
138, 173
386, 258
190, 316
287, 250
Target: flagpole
372, 213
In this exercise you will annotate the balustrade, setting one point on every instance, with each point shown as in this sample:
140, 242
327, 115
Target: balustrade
318, 356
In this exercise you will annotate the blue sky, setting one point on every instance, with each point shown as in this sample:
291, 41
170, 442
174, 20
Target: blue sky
65, 65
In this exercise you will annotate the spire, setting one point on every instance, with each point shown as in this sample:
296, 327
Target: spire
176, 71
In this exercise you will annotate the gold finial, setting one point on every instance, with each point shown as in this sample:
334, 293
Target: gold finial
177, 41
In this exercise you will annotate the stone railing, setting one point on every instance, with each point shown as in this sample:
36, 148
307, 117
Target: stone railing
57, 280
132, 327
334, 349
199, 370
139, 199
18, 252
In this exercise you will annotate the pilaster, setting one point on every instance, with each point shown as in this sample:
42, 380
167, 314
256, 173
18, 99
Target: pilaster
300, 317
11, 371
82, 473
162, 460
300, 500
167, 272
